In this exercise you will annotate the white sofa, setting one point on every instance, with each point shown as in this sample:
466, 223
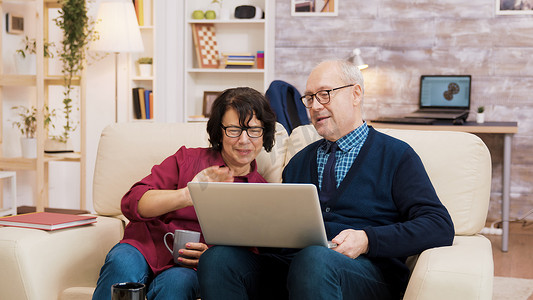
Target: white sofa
64, 264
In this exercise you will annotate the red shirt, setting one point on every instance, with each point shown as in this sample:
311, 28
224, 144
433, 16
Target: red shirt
146, 234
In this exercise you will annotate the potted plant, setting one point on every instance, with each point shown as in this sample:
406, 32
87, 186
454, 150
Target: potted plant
25, 56
27, 124
145, 66
480, 117
77, 31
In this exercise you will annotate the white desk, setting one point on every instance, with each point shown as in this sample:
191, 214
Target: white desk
505, 128
12, 210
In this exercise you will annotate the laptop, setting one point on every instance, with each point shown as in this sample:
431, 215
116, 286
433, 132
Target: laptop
444, 97
259, 214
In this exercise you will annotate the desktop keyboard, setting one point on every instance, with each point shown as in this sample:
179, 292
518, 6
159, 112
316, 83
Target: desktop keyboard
403, 120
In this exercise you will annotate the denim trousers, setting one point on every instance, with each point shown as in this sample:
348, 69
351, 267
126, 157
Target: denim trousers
124, 263
315, 272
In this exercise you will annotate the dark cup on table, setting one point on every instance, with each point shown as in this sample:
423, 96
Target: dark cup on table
128, 291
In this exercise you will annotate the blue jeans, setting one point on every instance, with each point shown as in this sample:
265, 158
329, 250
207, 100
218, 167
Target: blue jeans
124, 263
313, 273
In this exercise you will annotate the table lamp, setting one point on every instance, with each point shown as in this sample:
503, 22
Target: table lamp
118, 32
357, 59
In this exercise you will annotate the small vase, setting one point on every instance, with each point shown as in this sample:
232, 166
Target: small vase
145, 70
480, 118
29, 147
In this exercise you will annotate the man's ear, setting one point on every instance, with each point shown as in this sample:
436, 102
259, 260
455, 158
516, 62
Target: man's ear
357, 94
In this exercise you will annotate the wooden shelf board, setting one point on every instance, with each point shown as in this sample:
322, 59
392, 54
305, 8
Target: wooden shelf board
139, 78
59, 80
222, 70
18, 80
30, 80
20, 163
230, 21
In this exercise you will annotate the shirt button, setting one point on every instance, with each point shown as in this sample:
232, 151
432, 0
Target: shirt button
328, 209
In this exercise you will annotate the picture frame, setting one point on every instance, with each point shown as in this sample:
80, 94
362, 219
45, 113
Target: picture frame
14, 24
514, 7
314, 8
209, 98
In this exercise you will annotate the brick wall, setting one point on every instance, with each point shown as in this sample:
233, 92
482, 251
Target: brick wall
402, 40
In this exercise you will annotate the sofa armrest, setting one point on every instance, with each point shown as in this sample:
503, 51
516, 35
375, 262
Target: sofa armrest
38, 264
464, 270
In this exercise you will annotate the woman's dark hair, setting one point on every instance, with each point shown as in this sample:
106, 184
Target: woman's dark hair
247, 102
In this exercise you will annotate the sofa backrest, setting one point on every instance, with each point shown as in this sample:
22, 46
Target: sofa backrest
127, 152
457, 163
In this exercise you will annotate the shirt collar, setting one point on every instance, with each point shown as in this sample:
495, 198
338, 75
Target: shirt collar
352, 139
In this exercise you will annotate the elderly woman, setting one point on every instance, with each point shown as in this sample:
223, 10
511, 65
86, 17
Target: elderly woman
241, 124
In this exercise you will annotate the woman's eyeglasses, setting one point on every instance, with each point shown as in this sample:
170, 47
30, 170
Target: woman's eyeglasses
236, 131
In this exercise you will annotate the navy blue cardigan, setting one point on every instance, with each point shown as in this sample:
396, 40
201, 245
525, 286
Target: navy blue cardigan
388, 194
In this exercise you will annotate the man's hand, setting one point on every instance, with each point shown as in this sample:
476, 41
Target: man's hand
190, 256
214, 174
351, 243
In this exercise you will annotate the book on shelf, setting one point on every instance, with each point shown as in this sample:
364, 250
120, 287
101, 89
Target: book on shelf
239, 66
143, 103
136, 104
47, 220
151, 97
139, 11
147, 104
240, 62
247, 54
239, 58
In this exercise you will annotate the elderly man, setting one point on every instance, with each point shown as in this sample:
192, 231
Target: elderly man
378, 204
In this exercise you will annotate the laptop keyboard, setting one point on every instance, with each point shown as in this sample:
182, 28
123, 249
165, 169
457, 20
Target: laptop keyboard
402, 120
439, 110
444, 116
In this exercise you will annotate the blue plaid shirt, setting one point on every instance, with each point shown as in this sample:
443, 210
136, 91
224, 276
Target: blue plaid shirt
348, 149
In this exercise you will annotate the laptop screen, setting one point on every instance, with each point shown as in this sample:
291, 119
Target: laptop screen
443, 91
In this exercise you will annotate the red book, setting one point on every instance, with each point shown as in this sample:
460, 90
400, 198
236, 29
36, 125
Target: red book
47, 220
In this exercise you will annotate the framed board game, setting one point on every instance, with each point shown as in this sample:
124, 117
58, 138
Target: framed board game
205, 44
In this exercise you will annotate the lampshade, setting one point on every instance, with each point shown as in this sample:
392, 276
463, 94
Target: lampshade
357, 59
117, 28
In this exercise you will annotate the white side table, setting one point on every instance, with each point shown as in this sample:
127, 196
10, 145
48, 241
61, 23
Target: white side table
12, 210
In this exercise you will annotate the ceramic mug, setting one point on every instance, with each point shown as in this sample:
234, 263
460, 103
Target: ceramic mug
181, 237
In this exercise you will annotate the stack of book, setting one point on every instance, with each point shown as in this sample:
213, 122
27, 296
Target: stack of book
238, 60
143, 103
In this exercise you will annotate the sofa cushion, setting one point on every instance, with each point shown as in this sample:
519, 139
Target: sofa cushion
457, 163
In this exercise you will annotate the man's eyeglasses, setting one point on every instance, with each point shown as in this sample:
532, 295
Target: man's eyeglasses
236, 131
323, 96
